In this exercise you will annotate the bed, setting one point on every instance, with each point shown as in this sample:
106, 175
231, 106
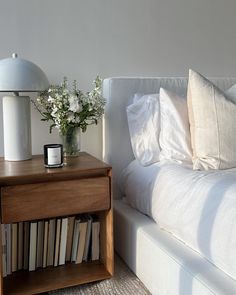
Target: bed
163, 262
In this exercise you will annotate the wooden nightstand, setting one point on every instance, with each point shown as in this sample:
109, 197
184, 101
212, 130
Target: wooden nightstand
31, 192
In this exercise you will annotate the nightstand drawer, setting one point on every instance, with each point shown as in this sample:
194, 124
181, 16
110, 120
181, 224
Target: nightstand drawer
51, 199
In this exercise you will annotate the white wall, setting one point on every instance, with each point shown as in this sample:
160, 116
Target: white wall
83, 38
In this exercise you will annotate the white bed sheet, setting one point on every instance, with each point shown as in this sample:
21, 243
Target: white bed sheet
198, 207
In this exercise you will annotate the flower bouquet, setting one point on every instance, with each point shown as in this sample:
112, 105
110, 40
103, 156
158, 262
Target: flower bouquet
71, 110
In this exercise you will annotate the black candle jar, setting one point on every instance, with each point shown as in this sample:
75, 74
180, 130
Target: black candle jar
53, 155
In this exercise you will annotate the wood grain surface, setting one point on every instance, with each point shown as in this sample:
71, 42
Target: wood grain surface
51, 199
52, 278
33, 171
29, 191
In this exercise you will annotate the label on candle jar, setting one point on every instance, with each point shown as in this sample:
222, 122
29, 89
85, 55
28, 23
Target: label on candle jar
54, 156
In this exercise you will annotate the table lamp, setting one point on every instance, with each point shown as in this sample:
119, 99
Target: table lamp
18, 75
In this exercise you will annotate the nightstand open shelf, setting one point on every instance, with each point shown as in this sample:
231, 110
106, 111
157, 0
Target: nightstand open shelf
83, 186
52, 278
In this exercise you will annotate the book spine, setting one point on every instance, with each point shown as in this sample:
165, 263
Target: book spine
58, 233
71, 221
63, 239
39, 256
26, 245
4, 251
14, 247
75, 241
8, 226
51, 241
88, 238
45, 243
20, 245
32, 246
81, 243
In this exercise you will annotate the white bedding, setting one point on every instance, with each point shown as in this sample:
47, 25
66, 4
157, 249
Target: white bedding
198, 207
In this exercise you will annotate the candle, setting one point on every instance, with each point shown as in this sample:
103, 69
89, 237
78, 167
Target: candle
53, 155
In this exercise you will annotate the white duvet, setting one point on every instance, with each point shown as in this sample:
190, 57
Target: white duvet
198, 207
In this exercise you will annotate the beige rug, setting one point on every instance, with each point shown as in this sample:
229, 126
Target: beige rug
124, 282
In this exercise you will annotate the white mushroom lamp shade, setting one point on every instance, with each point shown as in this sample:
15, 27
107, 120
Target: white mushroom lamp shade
19, 75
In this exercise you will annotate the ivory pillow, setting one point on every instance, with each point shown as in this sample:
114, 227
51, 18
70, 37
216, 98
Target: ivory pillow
212, 117
231, 93
144, 128
174, 138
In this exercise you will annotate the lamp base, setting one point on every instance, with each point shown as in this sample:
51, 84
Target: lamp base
17, 128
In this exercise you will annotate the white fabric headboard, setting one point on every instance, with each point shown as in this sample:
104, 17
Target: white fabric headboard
118, 93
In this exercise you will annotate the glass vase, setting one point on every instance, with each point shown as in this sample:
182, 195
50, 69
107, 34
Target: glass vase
71, 142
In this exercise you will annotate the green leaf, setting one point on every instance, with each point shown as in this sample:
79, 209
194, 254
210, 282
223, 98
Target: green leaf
50, 128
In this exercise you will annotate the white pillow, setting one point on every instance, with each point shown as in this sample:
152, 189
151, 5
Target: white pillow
174, 139
212, 118
144, 128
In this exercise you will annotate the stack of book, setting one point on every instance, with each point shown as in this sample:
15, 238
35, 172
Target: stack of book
38, 244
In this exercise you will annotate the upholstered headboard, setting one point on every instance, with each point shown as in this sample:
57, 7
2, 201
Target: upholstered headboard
118, 93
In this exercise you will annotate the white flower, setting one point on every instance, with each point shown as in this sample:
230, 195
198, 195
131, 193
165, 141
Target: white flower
74, 104
71, 118
65, 91
50, 99
54, 112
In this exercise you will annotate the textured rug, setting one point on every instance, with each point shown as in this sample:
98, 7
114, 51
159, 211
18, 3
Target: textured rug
124, 282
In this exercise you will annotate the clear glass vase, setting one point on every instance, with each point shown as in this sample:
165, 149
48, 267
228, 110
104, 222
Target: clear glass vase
71, 142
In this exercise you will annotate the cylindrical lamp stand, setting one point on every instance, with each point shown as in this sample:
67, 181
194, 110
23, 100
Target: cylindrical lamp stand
17, 128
